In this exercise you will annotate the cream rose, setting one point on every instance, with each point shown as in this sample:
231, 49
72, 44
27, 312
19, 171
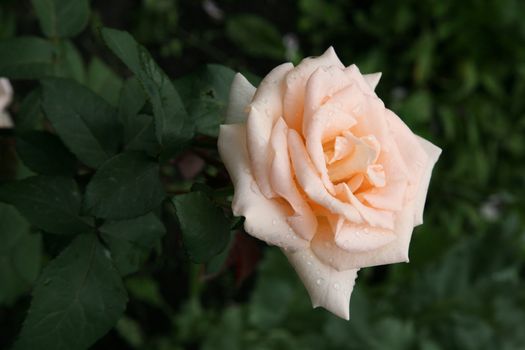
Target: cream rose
324, 171
6, 95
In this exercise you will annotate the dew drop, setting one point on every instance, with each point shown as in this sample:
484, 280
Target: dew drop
319, 281
336, 286
309, 263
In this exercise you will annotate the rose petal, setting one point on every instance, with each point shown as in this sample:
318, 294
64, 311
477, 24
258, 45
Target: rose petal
296, 80
330, 120
312, 184
327, 287
303, 221
433, 153
321, 86
364, 154
6, 93
375, 217
413, 154
265, 218
394, 252
355, 75
373, 79
266, 108
350, 239
241, 94
5, 121
389, 197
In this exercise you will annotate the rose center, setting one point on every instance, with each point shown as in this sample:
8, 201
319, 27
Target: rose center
353, 160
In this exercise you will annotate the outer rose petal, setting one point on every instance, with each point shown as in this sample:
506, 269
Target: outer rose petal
6, 93
296, 80
413, 154
265, 218
5, 121
241, 94
373, 79
328, 288
389, 253
265, 109
433, 153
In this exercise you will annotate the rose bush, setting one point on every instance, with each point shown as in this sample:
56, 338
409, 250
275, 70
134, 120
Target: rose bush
324, 171
6, 95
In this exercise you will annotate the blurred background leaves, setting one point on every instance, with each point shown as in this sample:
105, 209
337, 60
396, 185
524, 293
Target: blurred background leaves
455, 73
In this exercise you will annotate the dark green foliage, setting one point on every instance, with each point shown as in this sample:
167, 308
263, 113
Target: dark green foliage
171, 121
62, 18
26, 58
48, 202
20, 254
205, 229
77, 299
125, 186
85, 122
45, 154
205, 94
131, 241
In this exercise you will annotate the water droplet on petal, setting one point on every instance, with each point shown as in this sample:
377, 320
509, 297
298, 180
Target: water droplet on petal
309, 263
336, 286
319, 281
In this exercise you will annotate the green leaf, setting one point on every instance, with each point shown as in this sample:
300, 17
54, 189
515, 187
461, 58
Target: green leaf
256, 36
205, 94
20, 254
71, 64
44, 153
26, 58
48, 202
78, 298
205, 229
131, 241
139, 129
30, 116
126, 186
86, 123
171, 121
103, 80
62, 18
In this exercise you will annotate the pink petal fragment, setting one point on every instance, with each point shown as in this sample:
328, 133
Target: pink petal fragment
372, 79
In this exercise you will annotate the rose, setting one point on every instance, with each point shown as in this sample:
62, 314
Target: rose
323, 170
6, 95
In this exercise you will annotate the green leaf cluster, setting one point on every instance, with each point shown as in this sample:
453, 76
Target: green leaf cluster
93, 153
